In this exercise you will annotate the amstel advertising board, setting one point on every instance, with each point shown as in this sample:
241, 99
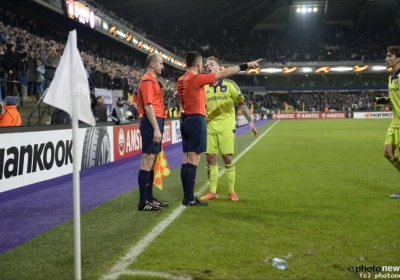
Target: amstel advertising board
312, 115
373, 115
128, 141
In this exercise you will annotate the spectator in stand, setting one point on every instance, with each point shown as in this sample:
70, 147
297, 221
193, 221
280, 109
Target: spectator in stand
87, 72
130, 87
96, 76
10, 67
60, 117
121, 112
3, 48
51, 63
133, 108
32, 76
11, 116
41, 81
3, 35
100, 110
93, 100
42, 52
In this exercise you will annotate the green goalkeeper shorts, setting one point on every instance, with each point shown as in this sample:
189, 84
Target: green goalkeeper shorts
392, 136
224, 142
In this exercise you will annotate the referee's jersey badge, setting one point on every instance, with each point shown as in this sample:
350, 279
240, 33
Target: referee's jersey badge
223, 88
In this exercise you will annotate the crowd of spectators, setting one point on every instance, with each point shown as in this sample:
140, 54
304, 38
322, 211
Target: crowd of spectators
106, 68
334, 43
315, 101
330, 43
261, 100
367, 43
337, 101
304, 81
109, 68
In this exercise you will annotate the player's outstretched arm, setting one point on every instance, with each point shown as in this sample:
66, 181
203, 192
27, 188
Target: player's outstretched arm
228, 72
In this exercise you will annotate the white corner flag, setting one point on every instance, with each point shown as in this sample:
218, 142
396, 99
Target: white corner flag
71, 71
69, 91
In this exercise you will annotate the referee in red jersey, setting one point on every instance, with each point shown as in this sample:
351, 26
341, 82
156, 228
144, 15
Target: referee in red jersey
151, 106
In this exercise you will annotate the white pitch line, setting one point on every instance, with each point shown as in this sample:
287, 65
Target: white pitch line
121, 266
155, 274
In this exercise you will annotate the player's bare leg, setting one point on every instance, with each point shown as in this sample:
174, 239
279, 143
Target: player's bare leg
212, 177
230, 173
390, 153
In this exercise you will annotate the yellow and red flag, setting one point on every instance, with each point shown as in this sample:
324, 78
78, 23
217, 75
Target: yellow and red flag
161, 169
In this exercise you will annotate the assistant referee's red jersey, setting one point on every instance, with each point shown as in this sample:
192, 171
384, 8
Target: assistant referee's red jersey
151, 93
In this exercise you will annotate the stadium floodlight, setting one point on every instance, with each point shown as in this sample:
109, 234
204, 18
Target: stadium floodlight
135, 41
307, 70
271, 70
341, 69
306, 9
379, 68
121, 33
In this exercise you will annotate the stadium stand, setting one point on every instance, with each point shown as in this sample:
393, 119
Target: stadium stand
331, 43
110, 68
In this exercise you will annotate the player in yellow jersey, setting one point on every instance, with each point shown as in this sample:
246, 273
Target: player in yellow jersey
392, 140
221, 127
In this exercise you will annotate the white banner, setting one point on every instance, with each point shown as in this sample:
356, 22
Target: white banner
241, 120
176, 132
373, 115
31, 157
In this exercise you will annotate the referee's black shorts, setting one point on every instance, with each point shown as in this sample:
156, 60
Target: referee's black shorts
147, 134
194, 133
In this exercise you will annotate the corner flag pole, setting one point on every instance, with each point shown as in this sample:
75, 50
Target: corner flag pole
75, 142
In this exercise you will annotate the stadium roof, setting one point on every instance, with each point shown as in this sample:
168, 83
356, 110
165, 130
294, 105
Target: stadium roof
253, 14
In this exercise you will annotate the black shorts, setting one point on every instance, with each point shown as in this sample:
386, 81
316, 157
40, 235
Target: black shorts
194, 133
147, 134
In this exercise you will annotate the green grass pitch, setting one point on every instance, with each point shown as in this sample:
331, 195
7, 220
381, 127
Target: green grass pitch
314, 192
